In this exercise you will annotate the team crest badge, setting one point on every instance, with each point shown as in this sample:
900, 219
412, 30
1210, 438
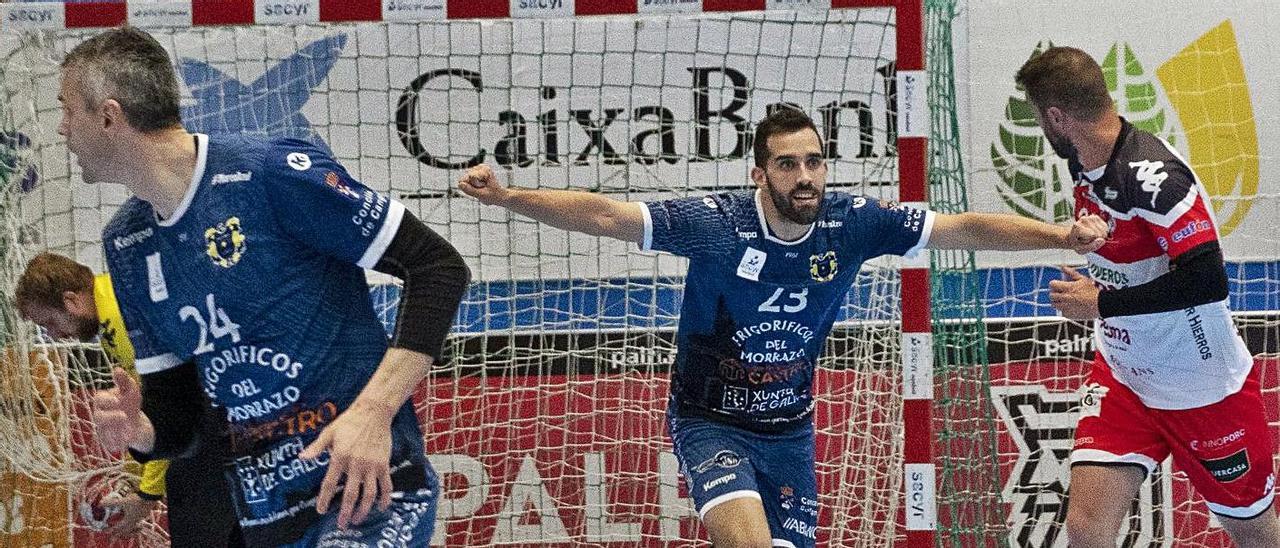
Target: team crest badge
823, 267
225, 243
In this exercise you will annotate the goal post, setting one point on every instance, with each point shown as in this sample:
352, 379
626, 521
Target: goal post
547, 424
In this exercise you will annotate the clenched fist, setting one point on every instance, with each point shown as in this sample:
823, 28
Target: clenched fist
1088, 234
481, 183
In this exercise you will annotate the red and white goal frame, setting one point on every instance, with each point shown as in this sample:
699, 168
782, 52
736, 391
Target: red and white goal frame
913, 124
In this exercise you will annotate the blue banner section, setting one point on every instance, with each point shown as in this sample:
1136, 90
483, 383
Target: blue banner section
646, 304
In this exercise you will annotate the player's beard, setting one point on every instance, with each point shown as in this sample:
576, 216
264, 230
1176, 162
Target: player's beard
1061, 145
787, 207
86, 328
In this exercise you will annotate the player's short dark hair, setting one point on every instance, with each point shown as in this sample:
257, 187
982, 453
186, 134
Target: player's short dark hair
47, 277
1066, 78
782, 120
128, 65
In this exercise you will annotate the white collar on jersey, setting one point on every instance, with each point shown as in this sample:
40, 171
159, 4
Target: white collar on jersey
764, 226
202, 154
1095, 173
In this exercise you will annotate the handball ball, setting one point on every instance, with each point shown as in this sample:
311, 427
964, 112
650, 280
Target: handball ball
94, 514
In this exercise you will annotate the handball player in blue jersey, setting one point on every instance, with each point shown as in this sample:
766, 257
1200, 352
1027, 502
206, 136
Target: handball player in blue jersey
768, 271
239, 267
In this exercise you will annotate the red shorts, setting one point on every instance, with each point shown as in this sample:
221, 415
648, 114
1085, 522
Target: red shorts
1224, 448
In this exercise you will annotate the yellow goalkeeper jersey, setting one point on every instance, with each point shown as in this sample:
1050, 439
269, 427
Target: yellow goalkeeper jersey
115, 343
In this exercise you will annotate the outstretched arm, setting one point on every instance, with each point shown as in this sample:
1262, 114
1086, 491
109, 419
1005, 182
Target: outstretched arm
571, 210
975, 231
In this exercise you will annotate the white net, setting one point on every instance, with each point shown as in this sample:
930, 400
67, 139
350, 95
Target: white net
547, 426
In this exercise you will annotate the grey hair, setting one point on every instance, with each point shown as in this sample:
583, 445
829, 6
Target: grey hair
128, 65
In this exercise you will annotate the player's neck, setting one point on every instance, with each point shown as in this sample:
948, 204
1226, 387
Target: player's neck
780, 226
1098, 142
166, 162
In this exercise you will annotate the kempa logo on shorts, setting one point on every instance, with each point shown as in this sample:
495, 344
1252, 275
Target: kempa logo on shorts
718, 482
1034, 181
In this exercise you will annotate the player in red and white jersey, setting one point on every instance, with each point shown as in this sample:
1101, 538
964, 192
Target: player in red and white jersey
1171, 375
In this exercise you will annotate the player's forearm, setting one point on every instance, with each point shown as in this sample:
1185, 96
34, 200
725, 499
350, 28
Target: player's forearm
1197, 277
998, 232
578, 211
435, 278
172, 406
392, 384
145, 440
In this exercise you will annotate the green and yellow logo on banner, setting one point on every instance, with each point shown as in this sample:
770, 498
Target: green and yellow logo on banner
1205, 87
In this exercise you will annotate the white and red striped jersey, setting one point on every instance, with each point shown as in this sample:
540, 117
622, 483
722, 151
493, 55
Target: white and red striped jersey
1157, 210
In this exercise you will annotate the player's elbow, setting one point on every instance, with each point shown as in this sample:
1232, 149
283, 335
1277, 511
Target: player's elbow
454, 269
1218, 287
1204, 274
617, 221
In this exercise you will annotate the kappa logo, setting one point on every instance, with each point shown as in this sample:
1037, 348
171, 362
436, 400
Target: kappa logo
1150, 176
224, 243
298, 161
723, 459
822, 268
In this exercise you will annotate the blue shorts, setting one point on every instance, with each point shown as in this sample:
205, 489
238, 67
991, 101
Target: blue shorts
723, 463
408, 522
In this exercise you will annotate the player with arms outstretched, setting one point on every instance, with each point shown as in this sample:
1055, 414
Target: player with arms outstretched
768, 271
1171, 375
239, 265
66, 299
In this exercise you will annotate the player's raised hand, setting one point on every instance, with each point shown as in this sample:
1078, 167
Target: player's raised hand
1075, 295
1088, 234
481, 183
359, 446
117, 414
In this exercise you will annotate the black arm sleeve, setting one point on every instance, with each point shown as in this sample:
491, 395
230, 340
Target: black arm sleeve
176, 405
1196, 277
435, 278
